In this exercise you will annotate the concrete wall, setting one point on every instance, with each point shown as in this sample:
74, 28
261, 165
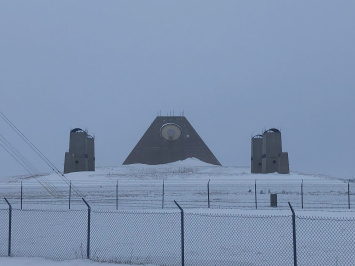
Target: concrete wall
91, 153
256, 154
68, 162
284, 167
78, 148
272, 149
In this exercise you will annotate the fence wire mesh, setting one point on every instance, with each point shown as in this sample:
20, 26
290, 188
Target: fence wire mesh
211, 237
325, 241
219, 239
57, 235
4, 229
133, 237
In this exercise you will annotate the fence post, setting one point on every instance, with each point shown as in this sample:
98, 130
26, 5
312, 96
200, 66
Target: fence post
69, 193
10, 216
88, 237
349, 194
21, 195
294, 235
256, 200
208, 192
117, 195
302, 193
163, 194
182, 235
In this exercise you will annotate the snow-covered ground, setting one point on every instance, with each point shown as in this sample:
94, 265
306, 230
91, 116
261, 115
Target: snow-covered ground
146, 227
141, 187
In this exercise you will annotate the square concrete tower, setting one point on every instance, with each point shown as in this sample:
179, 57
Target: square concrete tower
271, 151
256, 154
81, 155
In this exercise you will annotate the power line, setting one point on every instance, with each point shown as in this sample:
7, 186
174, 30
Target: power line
18, 156
32, 146
42, 156
33, 171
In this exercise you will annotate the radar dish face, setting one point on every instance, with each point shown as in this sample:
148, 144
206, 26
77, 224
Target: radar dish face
170, 131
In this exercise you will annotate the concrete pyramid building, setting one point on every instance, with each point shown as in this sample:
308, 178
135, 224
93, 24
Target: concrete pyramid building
170, 139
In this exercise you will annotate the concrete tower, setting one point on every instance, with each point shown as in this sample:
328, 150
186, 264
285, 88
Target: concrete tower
271, 150
256, 154
267, 155
81, 155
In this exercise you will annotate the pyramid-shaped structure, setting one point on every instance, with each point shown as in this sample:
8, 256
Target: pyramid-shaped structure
170, 139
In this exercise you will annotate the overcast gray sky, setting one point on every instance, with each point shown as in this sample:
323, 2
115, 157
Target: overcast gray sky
234, 67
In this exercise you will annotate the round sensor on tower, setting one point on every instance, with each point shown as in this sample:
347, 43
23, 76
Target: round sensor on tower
170, 131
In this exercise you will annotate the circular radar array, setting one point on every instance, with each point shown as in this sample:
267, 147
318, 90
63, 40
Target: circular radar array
170, 131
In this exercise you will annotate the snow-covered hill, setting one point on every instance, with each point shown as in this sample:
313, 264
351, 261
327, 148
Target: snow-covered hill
157, 186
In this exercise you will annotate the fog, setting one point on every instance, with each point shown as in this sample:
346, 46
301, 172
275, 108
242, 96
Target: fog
235, 68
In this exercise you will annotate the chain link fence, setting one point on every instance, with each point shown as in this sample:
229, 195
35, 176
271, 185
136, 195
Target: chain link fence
222, 239
4, 229
179, 237
133, 237
52, 234
242, 194
325, 240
